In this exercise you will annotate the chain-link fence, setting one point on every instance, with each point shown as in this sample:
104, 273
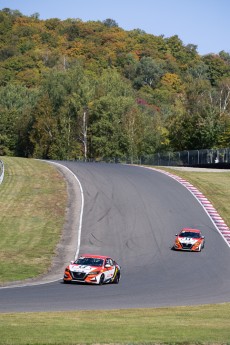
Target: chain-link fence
207, 157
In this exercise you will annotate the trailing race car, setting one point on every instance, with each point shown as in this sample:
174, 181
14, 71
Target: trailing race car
189, 239
94, 269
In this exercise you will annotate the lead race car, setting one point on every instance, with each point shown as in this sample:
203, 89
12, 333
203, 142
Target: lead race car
93, 269
190, 240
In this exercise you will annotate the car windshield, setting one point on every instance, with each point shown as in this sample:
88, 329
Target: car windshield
89, 262
189, 234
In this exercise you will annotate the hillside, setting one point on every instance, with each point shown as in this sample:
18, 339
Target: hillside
90, 90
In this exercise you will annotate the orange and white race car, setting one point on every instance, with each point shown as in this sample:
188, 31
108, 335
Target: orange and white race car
189, 239
93, 269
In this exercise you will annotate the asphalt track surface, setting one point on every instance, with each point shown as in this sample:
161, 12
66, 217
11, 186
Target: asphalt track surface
132, 214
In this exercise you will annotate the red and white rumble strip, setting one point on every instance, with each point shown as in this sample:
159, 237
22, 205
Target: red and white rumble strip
218, 222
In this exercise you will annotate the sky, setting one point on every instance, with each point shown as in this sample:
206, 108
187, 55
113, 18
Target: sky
204, 23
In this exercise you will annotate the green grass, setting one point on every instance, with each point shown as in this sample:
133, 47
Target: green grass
32, 203
194, 325
31, 219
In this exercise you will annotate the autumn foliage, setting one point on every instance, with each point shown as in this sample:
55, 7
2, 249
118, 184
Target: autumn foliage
90, 90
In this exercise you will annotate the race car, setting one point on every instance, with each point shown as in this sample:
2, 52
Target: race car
93, 269
189, 239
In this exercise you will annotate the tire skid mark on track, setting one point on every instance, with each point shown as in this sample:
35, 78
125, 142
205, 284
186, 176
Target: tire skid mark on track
216, 219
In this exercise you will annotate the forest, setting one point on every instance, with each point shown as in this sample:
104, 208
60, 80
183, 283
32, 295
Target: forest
92, 91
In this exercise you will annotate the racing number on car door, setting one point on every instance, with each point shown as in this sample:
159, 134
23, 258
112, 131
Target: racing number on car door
109, 271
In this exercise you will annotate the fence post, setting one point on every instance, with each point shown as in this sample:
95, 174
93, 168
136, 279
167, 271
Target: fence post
1, 171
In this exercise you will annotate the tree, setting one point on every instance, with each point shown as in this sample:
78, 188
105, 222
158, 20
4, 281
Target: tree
183, 54
144, 130
13, 13
44, 133
172, 81
225, 56
223, 91
217, 68
224, 137
106, 134
16, 101
198, 70
35, 15
197, 126
69, 94
148, 72
110, 23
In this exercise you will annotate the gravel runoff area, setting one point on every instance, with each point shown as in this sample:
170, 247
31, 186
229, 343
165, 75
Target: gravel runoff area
66, 249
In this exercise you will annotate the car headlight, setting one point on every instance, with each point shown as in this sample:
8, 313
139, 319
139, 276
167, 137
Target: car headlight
93, 273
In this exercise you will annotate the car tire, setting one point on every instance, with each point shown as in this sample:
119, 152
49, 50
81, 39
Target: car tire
101, 281
117, 279
66, 281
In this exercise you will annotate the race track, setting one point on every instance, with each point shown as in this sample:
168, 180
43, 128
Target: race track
133, 214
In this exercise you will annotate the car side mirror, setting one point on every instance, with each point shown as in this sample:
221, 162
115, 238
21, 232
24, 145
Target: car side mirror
202, 237
176, 235
72, 262
107, 265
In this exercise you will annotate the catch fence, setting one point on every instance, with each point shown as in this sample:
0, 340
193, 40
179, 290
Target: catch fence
206, 157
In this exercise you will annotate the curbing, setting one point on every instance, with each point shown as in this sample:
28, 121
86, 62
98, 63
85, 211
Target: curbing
216, 219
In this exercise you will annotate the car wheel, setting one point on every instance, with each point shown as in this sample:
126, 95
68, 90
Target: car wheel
101, 281
66, 281
117, 279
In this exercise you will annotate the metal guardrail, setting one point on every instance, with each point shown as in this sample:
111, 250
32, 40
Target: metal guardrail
1, 171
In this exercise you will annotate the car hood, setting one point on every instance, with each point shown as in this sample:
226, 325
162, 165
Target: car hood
188, 240
83, 268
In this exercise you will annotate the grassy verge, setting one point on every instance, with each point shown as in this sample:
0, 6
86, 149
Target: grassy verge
214, 185
195, 325
32, 203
